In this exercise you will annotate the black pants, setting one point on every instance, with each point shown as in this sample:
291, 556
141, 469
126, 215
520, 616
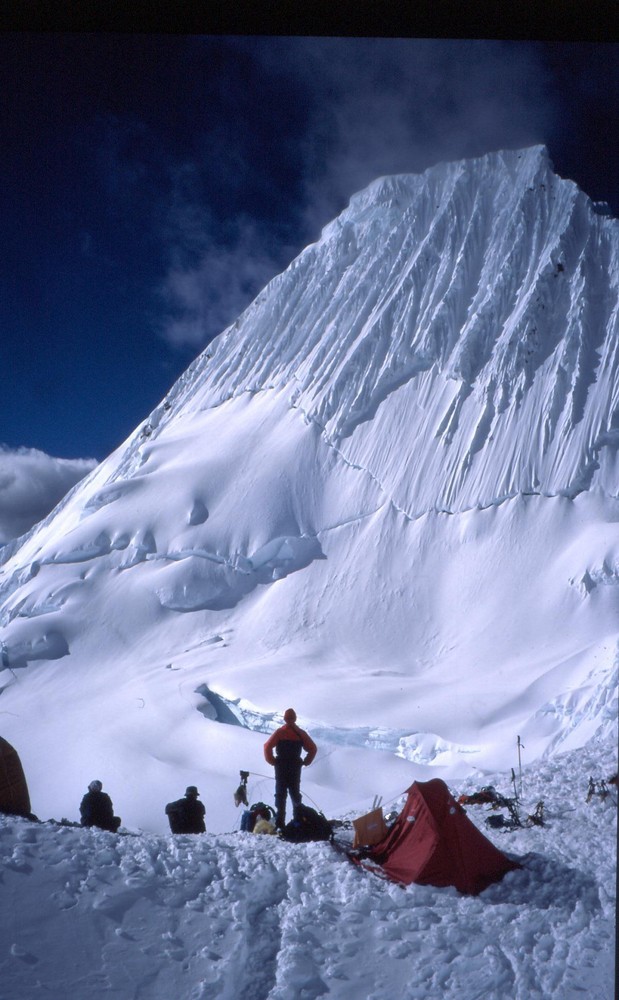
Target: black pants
287, 781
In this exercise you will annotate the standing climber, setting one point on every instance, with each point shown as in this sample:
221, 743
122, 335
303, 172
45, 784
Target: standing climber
288, 742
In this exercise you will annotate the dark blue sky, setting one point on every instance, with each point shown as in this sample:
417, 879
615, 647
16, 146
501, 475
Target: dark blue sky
152, 184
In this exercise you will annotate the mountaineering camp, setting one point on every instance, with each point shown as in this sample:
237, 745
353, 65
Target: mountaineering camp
430, 840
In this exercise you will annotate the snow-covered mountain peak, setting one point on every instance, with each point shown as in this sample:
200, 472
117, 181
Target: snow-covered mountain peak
394, 476
514, 168
471, 293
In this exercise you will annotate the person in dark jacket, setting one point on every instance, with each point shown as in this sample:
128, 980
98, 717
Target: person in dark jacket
96, 809
187, 815
283, 750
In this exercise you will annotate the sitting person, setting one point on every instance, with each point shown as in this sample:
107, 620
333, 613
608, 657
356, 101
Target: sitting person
186, 815
96, 809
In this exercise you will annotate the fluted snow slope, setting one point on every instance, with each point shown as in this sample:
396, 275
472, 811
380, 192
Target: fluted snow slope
484, 297
387, 495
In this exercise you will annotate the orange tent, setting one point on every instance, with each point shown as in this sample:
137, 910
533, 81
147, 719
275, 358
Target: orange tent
14, 797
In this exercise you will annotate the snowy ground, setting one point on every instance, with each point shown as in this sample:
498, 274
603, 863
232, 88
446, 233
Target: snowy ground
92, 915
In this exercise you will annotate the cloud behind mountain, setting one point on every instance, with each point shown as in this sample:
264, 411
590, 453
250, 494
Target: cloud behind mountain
31, 484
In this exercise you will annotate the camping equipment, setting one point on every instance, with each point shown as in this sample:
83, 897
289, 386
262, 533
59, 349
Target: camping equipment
14, 797
251, 816
307, 825
240, 795
369, 829
433, 842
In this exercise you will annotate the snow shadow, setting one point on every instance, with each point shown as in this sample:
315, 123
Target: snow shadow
202, 581
51, 646
544, 883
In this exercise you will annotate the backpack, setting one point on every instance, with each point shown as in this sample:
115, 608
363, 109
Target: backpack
307, 825
175, 814
488, 794
253, 814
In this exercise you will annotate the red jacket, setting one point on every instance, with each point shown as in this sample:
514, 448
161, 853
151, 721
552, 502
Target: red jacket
290, 733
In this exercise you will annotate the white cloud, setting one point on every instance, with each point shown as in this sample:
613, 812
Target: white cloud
31, 484
374, 107
402, 105
205, 298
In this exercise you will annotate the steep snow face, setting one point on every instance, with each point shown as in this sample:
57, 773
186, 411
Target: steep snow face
386, 495
475, 305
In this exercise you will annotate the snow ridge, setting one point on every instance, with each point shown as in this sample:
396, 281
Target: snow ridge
482, 295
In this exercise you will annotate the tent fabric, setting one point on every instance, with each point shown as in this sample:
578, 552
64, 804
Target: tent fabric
433, 842
14, 797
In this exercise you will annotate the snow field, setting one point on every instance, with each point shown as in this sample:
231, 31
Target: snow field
93, 915
365, 643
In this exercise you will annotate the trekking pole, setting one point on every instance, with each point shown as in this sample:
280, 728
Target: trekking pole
520, 747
